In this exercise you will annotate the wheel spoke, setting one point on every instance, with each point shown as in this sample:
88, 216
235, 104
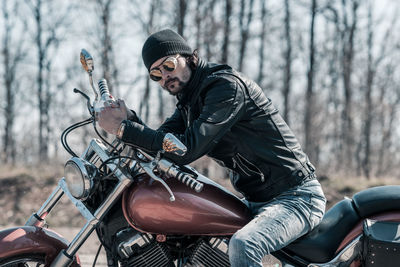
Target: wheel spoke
23, 261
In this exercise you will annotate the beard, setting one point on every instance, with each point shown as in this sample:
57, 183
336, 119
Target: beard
172, 87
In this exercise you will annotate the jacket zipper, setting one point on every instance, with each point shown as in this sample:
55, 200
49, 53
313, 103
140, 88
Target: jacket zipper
243, 169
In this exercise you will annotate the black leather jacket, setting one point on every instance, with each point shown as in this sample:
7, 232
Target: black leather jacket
227, 116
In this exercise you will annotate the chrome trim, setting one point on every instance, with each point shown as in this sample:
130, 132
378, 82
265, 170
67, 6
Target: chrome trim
47, 206
98, 215
88, 153
172, 144
139, 239
61, 260
86, 176
114, 195
78, 204
81, 237
93, 219
346, 256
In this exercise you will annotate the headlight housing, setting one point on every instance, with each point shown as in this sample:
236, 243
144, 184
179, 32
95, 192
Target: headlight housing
79, 176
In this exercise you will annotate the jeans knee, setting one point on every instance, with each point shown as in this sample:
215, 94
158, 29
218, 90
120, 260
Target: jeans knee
243, 251
240, 243
236, 244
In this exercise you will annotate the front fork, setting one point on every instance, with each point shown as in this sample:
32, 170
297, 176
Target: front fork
65, 257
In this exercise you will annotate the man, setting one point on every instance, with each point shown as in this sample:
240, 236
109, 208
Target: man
227, 116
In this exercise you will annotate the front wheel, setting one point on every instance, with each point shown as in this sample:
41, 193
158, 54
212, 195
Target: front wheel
31, 260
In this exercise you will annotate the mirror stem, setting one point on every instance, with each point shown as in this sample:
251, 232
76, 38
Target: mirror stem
94, 90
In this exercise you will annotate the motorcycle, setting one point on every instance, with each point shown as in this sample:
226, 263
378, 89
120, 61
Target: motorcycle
148, 211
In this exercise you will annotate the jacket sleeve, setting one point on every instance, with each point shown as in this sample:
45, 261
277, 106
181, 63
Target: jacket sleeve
174, 124
223, 107
134, 117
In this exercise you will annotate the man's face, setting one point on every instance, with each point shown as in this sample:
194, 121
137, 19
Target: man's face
172, 80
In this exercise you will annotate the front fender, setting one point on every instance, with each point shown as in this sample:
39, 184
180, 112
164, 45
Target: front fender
32, 240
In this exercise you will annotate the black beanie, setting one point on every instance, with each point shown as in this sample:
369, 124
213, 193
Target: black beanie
161, 44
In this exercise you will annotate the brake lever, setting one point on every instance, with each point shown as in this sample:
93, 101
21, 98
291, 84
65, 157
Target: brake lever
148, 168
89, 106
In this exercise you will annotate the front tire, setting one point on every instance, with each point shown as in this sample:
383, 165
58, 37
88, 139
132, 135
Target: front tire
30, 260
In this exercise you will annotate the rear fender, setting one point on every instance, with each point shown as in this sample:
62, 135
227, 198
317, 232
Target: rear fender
32, 240
393, 216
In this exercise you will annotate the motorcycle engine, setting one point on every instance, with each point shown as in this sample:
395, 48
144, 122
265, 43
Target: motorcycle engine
212, 252
141, 249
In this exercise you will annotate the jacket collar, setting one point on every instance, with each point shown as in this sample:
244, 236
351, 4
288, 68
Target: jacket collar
192, 88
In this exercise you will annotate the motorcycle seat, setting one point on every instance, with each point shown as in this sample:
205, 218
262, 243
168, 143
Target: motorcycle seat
321, 243
377, 199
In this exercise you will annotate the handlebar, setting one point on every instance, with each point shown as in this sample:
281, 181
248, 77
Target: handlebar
190, 181
170, 170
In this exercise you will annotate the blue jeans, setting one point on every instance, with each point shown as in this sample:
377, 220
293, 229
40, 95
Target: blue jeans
277, 223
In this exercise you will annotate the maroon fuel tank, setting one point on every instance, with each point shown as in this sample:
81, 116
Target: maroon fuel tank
213, 211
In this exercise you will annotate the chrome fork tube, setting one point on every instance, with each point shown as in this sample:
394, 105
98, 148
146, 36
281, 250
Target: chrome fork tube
98, 215
65, 257
37, 219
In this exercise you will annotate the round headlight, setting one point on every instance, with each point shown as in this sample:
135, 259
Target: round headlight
78, 176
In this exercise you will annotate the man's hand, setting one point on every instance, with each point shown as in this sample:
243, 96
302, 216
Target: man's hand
111, 116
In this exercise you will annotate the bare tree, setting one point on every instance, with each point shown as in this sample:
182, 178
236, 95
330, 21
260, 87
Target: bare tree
262, 42
287, 75
389, 106
181, 14
373, 65
244, 24
47, 39
368, 99
227, 31
211, 29
105, 8
309, 100
148, 27
12, 58
346, 24
347, 59
198, 19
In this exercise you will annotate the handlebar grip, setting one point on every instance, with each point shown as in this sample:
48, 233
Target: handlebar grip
190, 181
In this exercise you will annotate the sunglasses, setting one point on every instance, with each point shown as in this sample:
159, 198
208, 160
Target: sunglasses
169, 64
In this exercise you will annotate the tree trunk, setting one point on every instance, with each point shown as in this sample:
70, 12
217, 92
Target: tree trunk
309, 101
144, 104
227, 31
287, 75
244, 29
262, 41
144, 108
12, 56
347, 72
181, 14
198, 20
368, 100
210, 30
40, 95
107, 47
46, 40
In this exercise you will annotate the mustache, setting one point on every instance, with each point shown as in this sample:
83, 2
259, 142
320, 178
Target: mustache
171, 80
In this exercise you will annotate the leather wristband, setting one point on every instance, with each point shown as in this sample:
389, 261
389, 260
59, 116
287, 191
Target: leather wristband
121, 129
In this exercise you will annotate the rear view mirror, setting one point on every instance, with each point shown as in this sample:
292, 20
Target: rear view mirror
172, 144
